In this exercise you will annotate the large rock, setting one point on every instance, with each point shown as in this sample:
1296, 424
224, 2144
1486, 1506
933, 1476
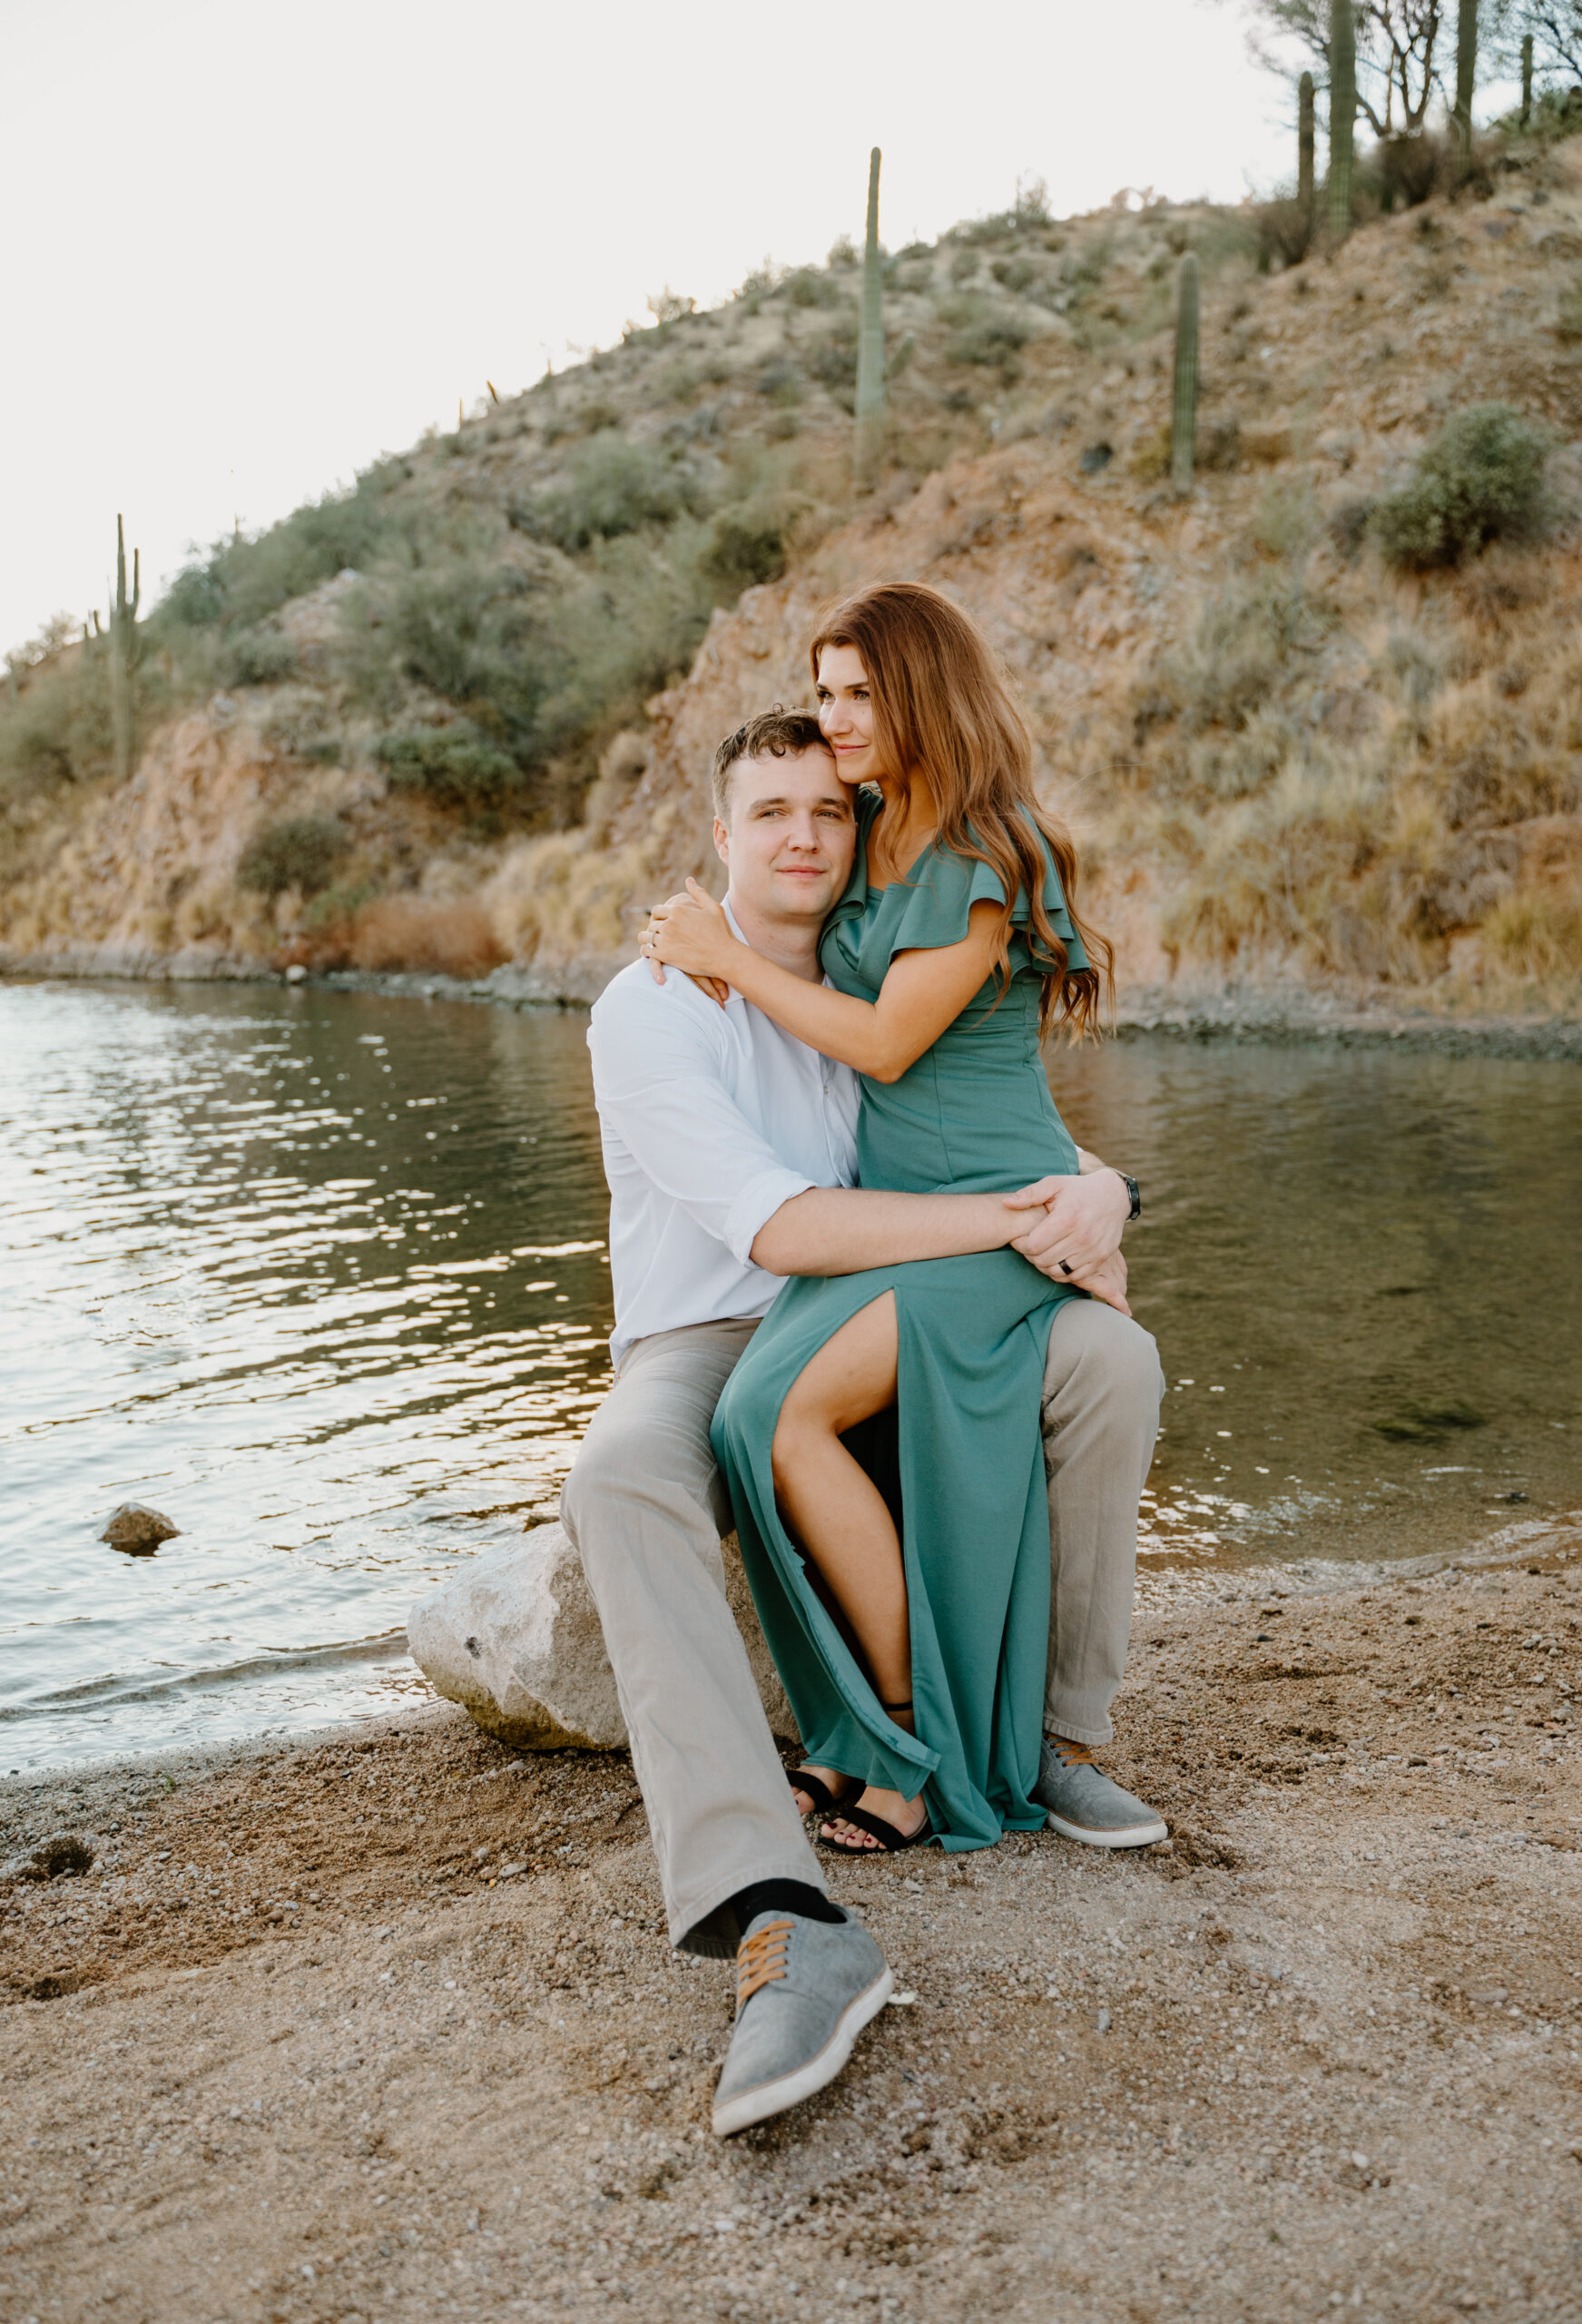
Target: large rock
513, 1637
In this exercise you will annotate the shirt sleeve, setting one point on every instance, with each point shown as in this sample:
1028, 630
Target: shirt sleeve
660, 1086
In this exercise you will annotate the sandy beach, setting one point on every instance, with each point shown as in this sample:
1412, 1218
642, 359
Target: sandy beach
385, 2027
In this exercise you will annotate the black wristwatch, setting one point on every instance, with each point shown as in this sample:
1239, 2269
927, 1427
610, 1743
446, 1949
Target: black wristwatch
1135, 1192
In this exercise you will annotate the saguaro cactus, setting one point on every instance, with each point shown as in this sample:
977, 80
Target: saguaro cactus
1527, 79
871, 341
1342, 113
1466, 77
1305, 143
124, 645
1184, 404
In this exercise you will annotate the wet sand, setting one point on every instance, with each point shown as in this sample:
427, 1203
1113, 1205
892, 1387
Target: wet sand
386, 2027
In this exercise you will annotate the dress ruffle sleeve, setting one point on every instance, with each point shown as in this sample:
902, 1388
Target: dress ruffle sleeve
944, 887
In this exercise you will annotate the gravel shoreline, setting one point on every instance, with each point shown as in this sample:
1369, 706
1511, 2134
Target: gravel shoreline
382, 2025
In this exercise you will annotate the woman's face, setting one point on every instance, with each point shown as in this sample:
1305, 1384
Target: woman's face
846, 713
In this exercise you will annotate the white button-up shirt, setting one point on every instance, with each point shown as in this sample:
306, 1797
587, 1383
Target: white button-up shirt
710, 1118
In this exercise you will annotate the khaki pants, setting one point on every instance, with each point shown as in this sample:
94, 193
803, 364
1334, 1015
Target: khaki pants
646, 1507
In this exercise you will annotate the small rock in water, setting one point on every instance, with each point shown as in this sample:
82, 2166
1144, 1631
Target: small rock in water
296, 973
138, 1530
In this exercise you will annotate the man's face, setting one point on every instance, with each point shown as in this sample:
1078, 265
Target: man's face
789, 835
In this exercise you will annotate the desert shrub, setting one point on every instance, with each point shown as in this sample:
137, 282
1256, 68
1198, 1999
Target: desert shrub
300, 852
1242, 649
781, 381
611, 487
1535, 935
808, 286
333, 912
1287, 523
455, 940
1285, 228
57, 729
964, 265
982, 334
632, 625
1411, 169
833, 358
1015, 274
1413, 670
1234, 765
1490, 767
1278, 871
258, 656
241, 581
1482, 478
1499, 585
743, 550
1348, 524
456, 766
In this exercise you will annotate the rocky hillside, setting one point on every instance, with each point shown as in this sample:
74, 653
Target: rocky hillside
1294, 748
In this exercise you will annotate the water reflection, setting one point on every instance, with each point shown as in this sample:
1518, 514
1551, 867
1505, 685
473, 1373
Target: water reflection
323, 1276
1363, 1270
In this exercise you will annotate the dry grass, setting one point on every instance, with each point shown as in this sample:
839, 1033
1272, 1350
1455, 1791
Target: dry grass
452, 939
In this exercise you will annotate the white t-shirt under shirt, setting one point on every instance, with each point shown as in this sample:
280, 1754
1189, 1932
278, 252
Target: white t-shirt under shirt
710, 1118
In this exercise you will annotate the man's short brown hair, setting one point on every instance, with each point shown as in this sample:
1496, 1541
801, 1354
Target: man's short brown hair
777, 734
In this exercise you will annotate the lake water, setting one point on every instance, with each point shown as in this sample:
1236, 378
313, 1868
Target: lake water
323, 1276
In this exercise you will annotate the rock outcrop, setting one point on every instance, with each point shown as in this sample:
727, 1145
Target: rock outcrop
513, 1637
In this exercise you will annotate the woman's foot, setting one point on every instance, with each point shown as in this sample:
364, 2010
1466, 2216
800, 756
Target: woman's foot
907, 1817
824, 1789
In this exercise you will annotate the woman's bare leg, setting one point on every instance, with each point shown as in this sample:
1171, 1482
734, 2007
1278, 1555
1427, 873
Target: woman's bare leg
841, 1519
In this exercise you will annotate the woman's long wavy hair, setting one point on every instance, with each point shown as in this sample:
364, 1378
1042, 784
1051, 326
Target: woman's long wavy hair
943, 710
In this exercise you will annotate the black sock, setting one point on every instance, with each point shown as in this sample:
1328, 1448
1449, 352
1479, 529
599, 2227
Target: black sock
781, 1897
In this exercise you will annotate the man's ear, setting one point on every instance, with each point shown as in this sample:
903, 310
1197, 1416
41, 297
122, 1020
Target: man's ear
722, 842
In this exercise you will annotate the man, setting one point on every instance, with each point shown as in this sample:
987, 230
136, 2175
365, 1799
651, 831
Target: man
730, 1150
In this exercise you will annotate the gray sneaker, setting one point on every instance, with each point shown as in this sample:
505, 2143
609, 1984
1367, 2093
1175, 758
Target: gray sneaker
804, 1991
1084, 1804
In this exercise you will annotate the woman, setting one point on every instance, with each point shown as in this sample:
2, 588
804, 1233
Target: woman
913, 1655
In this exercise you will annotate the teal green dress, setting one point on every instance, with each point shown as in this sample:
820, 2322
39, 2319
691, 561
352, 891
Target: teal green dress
964, 1474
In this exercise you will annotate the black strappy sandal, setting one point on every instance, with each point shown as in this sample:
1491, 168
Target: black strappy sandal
825, 1802
890, 1841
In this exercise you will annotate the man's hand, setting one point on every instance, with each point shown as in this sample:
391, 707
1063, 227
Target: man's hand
1106, 1282
1074, 1225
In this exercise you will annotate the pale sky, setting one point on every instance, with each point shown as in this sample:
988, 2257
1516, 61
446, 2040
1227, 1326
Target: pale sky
250, 247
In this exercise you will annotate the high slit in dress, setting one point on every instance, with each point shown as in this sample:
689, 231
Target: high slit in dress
964, 1470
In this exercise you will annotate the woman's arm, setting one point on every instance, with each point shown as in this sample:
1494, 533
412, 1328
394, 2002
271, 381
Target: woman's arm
922, 993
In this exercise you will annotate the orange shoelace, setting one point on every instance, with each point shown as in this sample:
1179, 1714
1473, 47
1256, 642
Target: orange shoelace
1069, 1754
760, 1960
